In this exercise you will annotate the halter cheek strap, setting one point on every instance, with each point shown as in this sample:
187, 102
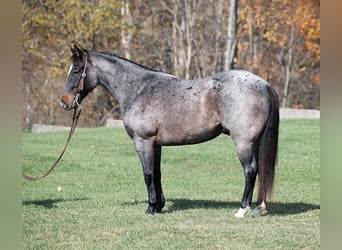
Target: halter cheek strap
81, 83
83, 76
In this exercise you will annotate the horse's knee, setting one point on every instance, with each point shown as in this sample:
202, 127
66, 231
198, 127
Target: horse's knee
148, 179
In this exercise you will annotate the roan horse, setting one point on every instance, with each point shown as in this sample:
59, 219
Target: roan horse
159, 109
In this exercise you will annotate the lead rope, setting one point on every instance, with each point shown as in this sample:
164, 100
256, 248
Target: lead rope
75, 117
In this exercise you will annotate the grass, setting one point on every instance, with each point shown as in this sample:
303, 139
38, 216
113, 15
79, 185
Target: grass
96, 198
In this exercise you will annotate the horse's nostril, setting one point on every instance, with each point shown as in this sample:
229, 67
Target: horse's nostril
66, 101
62, 102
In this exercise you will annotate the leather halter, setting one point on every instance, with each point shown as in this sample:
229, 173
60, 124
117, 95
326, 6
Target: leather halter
81, 83
75, 117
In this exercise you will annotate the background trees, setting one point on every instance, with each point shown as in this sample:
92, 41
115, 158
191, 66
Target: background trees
276, 39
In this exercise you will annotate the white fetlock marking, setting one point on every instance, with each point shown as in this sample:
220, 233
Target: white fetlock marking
263, 206
242, 211
259, 209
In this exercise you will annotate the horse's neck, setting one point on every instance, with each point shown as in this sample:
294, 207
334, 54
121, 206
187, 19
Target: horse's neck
122, 78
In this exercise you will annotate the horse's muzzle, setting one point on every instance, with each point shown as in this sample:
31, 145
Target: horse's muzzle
69, 102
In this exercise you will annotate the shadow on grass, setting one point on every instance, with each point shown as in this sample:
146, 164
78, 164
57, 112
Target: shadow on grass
184, 204
274, 208
281, 209
50, 203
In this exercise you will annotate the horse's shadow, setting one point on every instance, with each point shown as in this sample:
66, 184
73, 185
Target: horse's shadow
274, 208
50, 203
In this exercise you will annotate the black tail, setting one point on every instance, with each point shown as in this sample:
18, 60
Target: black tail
268, 149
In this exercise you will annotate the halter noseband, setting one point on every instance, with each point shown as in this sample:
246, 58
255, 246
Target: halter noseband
81, 83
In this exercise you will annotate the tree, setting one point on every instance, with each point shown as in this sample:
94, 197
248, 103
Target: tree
283, 48
184, 15
278, 40
126, 28
231, 49
47, 29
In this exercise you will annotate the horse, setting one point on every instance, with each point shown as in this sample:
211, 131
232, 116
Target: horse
159, 109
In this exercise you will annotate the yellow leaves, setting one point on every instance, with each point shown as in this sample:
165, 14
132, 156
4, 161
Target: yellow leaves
310, 31
317, 79
302, 69
274, 20
269, 36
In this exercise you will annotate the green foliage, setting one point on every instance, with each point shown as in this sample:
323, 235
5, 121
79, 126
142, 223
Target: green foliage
96, 198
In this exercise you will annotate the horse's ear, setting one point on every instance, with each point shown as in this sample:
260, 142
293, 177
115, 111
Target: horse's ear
77, 52
72, 50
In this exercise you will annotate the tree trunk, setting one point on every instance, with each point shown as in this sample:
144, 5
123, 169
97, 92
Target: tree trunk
231, 49
184, 14
126, 28
288, 69
218, 51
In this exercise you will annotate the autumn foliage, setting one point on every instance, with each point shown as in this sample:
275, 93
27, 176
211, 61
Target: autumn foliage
276, 39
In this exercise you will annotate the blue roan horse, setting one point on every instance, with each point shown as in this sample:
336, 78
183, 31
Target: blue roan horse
159, 109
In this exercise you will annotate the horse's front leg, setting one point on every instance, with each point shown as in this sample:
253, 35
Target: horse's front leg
150, 154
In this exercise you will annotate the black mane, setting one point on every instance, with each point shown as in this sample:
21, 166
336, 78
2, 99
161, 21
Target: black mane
114, 57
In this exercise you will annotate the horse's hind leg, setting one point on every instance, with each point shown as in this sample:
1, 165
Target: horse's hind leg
150, 155
247, 157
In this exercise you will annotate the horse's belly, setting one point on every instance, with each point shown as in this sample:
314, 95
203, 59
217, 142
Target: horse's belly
187, 139
192, 119
187, 132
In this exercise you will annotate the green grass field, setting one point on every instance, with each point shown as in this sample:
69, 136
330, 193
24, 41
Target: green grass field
96, 198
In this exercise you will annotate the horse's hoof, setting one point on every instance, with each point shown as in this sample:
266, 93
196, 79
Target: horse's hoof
152, 209
242, 212
259, 210
256, 212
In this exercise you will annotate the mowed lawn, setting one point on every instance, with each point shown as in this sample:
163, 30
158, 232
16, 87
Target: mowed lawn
96, 197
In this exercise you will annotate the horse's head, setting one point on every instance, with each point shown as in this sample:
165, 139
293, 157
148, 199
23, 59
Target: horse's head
80, 81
